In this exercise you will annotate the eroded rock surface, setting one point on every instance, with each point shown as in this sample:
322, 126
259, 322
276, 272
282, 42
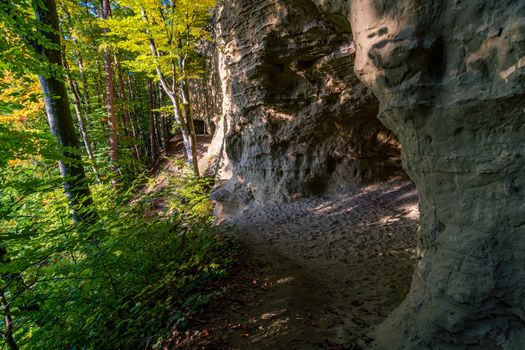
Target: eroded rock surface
450, 76
297, 120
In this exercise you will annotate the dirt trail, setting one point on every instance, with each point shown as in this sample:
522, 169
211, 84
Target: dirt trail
332, 267
318, 273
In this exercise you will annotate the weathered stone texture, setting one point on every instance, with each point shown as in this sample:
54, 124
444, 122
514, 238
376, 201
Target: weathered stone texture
450, 76
300, 122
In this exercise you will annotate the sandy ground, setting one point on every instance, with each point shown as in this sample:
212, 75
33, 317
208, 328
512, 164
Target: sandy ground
333, 266
318, 273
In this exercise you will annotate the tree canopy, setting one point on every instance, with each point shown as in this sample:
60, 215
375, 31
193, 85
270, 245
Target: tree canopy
87, 109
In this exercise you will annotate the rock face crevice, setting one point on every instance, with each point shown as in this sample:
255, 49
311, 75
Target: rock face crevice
450, 76
299, 121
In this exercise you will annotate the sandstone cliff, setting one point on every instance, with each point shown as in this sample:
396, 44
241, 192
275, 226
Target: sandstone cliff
450, 76
296, 120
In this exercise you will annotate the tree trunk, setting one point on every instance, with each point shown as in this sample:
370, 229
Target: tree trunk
165, 122
85, 94
159, 121
172, 94
110, 98
188, 117
60, 120
100, 81
136, 117
126, 119
8, 323
163, 131
186, 137
152, 134
183, 129
81, 121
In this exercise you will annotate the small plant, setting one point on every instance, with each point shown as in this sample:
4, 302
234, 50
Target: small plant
189, 198
119, 283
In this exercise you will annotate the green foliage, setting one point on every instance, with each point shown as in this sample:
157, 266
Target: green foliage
176, 28
190, 198
123, 281
21, 35
116, 284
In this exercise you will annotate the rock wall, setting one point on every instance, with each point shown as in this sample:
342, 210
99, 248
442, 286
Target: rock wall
297, 121
450, 76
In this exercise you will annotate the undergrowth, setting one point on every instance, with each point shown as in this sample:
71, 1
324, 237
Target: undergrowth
123, 282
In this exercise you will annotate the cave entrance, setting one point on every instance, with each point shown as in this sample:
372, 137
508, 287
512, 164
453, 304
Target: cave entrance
200, 127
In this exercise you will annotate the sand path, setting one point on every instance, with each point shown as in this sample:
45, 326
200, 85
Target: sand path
332, 267
318, 273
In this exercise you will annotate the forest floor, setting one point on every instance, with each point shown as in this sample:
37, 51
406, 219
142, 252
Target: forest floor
317, 273
169, 166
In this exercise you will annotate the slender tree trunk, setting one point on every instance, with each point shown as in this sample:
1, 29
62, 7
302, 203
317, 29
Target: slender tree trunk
172, 94
186, 137
158, 133
185, 93
99, 81
188, 117
8, 323
183, 129
126, 118
165, 121
142, 106
81, 121
85, 94
162, 123
158, 120
60, 120
137, 114
110, 97
152, 133
135, 128
83, 130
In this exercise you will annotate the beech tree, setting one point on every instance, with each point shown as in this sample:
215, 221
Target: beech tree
165, 36
125, 269
110, 94
80, 98
45, 44
59, 114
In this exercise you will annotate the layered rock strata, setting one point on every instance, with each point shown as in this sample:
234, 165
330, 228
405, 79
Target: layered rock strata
450, 76
298, 120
